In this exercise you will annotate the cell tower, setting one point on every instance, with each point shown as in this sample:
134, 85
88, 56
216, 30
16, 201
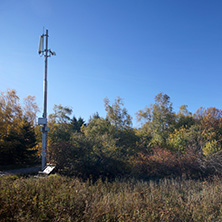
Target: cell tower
44, 51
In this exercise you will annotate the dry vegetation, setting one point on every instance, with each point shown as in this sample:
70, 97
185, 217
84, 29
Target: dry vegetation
59, 198
167, 145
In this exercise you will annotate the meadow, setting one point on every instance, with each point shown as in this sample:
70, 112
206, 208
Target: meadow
60, 198
93, 157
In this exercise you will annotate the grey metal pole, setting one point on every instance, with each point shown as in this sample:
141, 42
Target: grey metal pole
45, 79
44, 131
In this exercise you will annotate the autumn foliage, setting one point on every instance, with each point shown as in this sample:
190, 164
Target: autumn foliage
166, 144
17, 133
164, 163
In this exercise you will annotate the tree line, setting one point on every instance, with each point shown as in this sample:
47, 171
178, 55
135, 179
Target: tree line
166, 143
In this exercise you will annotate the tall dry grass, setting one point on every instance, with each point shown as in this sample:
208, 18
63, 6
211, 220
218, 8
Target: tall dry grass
58, 198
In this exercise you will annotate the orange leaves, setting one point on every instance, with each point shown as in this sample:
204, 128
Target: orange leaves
210, 117
163, 163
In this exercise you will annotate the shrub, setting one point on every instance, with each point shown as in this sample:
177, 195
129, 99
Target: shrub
87, 157
163, 163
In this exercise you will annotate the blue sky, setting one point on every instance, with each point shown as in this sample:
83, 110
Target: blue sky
109, 48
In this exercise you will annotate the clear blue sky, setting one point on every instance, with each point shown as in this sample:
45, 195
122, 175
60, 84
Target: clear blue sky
133, 49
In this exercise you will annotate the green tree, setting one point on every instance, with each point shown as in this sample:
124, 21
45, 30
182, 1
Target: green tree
158, 119
117, 114
93, 152
184, 118
61, 114
59, 124
77, 124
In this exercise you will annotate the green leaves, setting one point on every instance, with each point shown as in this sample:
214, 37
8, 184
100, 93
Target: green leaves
117, 114
159, 119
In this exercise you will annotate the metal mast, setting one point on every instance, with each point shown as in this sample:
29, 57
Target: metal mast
45, 77
43, 121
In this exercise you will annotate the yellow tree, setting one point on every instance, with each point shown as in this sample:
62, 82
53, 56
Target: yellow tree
210, 120
17, 136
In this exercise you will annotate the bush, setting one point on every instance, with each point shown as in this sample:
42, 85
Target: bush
84, 157
163, 163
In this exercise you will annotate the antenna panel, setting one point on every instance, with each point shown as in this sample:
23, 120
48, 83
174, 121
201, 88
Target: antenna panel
41, 44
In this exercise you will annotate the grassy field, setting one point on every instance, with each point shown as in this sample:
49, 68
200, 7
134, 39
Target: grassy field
58, 198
